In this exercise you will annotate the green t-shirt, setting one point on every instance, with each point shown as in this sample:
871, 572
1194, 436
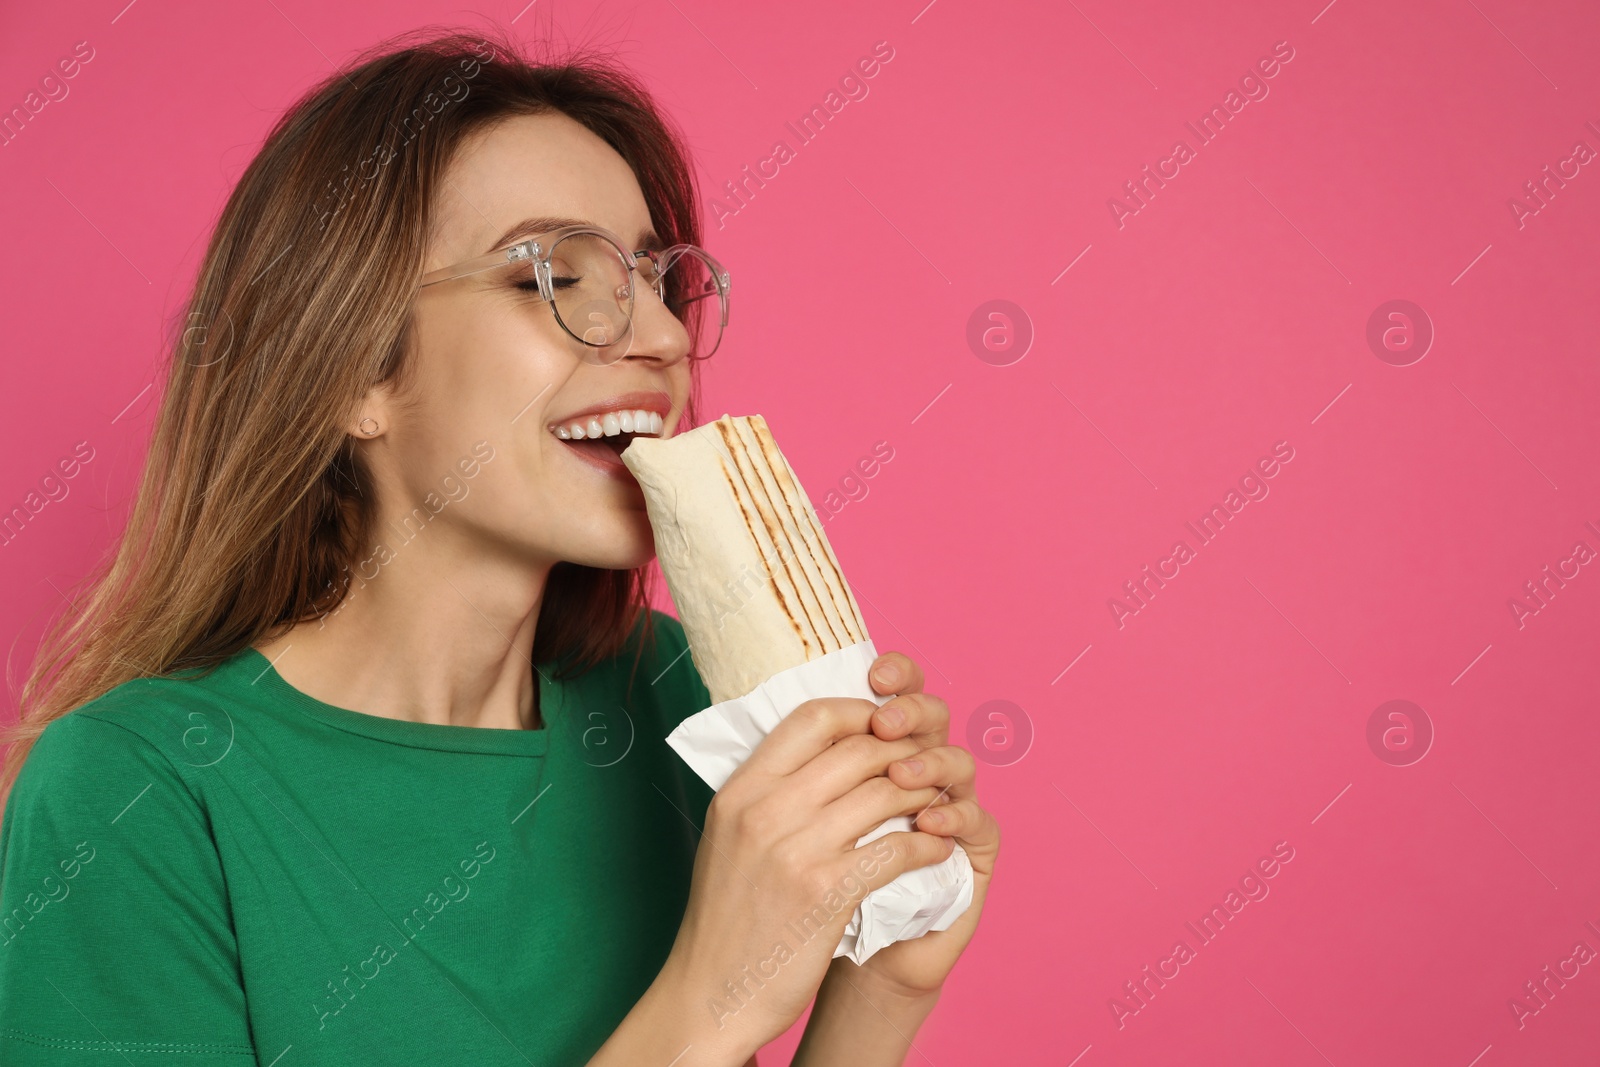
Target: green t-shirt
218, 869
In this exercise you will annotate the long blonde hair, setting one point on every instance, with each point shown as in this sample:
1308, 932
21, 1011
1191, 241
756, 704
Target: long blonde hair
252, 506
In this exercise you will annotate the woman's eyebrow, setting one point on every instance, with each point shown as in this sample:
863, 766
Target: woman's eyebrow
532, 227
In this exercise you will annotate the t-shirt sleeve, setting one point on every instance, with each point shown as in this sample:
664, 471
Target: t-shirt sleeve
116, 938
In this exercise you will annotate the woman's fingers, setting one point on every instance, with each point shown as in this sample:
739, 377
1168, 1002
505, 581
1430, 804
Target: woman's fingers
816, 724
868, 806
917, 715
847, 763
895, 672
947, 765
890, 856
959, 818
806, 731
971, 824
851, 762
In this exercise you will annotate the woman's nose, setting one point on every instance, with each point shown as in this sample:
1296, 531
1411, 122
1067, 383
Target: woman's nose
657, 334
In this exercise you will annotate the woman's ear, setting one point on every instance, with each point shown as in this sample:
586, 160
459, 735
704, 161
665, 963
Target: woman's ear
371, 416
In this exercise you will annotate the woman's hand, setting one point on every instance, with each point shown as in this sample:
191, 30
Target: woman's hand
917, 968
778, 874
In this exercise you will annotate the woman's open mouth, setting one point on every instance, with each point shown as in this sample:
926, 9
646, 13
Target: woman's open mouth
600, 439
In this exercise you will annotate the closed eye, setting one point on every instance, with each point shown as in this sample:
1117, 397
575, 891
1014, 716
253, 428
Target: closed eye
531, 285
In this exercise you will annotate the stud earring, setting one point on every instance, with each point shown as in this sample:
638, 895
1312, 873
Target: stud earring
363, 425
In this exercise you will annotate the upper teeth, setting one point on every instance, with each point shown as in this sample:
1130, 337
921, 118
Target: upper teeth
610, 424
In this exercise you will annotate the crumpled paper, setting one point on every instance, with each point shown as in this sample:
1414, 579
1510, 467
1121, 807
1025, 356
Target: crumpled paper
717, 740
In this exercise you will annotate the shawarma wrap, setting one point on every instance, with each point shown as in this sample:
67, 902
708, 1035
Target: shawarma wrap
756, 584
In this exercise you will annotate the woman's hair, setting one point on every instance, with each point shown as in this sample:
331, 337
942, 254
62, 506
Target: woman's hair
253, 506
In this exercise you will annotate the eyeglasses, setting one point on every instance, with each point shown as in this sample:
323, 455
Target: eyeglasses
584, 274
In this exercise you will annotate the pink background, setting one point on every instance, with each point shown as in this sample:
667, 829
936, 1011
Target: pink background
1230, 313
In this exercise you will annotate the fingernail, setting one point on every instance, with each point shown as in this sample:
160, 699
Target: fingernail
892, 717
884, 675
933, 818
912, 766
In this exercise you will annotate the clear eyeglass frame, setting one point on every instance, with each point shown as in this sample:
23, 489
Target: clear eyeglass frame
537, 252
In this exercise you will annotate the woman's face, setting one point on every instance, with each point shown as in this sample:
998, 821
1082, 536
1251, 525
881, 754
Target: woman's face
493, 365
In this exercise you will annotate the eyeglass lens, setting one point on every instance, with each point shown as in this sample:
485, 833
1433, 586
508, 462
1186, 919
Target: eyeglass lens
593, 293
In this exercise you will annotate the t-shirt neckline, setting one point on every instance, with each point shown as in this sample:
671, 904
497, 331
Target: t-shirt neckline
439, 736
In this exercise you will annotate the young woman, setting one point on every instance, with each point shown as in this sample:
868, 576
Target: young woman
352, 754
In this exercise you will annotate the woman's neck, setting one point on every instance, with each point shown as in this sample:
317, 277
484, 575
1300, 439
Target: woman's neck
425, 639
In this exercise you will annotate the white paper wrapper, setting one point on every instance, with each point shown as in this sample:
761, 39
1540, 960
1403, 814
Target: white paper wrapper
715, 741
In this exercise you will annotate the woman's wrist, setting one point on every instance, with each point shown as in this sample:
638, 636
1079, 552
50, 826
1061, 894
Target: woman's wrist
857, 1020
671, 1024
